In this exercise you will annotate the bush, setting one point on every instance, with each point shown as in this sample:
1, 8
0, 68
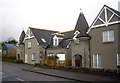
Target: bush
11, 57
19, 61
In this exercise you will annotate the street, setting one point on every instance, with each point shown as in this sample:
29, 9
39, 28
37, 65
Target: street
14, 72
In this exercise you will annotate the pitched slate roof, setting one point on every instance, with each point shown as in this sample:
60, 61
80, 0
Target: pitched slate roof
22, 36
66, 39
64, 42
10, 45
81, 25
42, 34
117, 12
113, 10
6, 46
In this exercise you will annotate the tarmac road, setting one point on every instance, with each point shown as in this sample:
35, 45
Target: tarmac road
14, 72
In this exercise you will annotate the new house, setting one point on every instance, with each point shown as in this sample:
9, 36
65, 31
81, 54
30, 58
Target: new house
105, 39
95, 46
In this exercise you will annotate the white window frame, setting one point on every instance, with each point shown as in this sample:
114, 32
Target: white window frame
61, 57
51, 54
55, 41
118, 59
33, 56
29, 44
106, 36
97, 64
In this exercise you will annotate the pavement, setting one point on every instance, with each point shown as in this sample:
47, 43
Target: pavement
71, 75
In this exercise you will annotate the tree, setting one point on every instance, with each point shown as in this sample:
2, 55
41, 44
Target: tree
10, 40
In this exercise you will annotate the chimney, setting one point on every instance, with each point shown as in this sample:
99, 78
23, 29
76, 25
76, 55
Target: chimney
119, 6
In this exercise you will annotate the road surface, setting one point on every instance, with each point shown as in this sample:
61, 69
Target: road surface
14, 72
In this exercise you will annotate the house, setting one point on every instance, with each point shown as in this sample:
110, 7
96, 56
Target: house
96, 46
9, 50
80, 44
35, 42
21, 47
105, 39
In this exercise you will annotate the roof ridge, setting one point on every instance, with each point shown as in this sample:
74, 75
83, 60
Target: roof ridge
43, 29
114, 10
67, 31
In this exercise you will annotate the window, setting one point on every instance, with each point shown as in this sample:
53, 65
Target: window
55, 42
108, 36
43, 40
29, 44
96, 61
61, 56
33, 56
51, 54
118, 59
4, 52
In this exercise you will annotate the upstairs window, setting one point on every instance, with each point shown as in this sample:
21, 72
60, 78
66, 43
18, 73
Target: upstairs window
29, 44
108, 36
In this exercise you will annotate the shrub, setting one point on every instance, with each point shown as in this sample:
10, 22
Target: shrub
11, 57
19, 61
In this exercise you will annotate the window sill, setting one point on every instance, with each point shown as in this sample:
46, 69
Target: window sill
29, 47
109, 42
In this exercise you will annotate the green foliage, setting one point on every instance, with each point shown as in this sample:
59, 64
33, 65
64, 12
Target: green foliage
52, 57
19, 61
10, 41
11, 57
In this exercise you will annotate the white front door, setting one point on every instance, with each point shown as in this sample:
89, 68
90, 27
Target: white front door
26, 58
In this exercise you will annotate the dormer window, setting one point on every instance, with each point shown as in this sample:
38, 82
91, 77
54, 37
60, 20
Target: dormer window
55, 41
75, 34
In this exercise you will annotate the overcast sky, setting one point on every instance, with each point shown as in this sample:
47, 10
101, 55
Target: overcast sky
61, 15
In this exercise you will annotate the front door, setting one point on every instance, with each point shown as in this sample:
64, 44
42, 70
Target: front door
78, 60
26, 58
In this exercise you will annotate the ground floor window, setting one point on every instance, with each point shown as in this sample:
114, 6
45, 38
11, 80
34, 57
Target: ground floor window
118, 59
61, 56
4, 52
51, 54
33, 56
96, 61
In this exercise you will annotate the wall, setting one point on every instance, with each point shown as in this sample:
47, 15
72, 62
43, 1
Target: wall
82, 48
35, 48
107, 51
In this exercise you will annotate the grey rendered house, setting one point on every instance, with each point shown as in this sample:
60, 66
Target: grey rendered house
105, 39
97, 46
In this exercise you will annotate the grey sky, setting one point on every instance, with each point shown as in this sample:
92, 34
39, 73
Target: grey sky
60, 15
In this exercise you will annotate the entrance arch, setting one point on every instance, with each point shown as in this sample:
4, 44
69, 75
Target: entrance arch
78, 60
